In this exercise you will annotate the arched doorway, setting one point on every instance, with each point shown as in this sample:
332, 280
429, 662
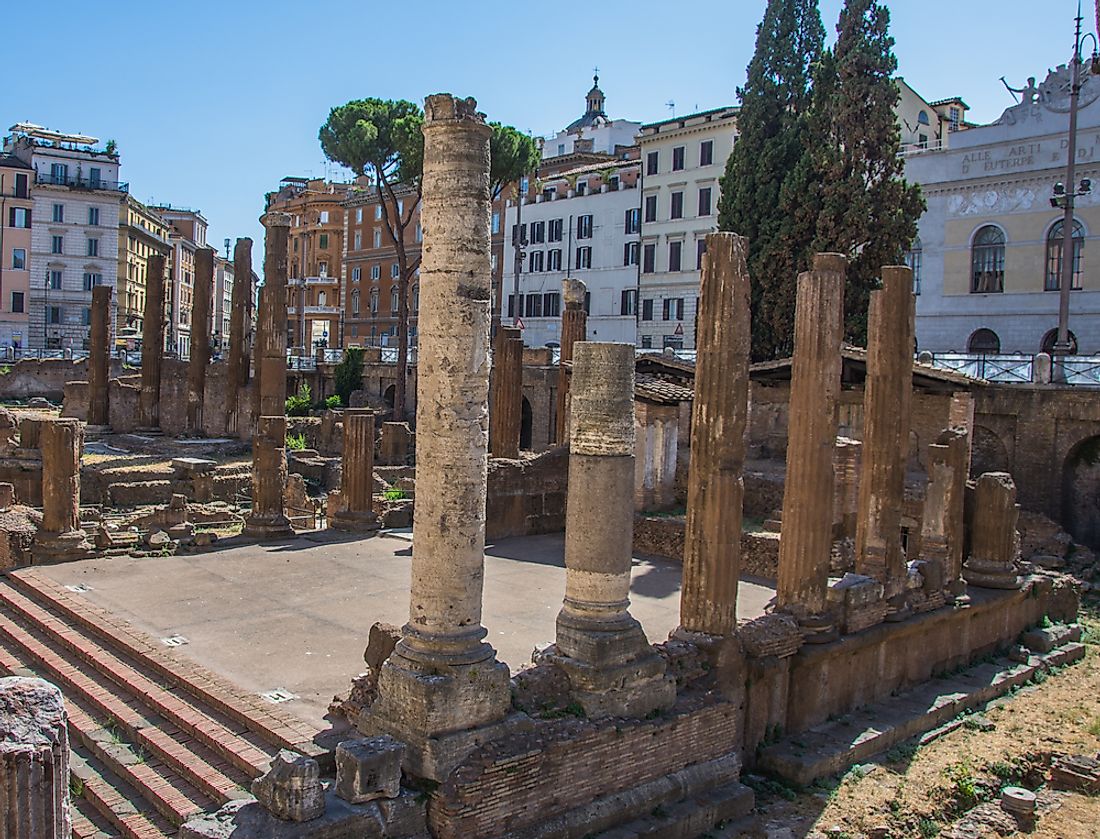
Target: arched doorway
1051, 338
988, 453
387, 396
526, 423
984, 342
1081, 492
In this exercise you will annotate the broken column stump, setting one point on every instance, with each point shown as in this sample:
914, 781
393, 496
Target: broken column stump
994, 542
239, 318
506, 409
944, 517
200, 340
152, 344
574, 328
267, 518
291, 789
355, 512
99, 355
60, 537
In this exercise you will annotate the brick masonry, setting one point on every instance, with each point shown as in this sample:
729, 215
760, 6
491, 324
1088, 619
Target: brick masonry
664, 537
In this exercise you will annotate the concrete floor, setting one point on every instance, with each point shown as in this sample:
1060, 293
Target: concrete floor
295, 615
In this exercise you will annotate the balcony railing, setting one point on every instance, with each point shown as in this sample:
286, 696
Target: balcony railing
51, 179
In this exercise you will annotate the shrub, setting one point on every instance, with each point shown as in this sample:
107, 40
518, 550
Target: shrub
295, 442
348, 375
334, 402
298, 404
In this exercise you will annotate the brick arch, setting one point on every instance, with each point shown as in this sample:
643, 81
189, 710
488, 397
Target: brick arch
1081, 491
989, 453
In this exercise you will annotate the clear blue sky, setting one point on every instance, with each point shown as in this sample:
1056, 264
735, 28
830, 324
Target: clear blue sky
213, 103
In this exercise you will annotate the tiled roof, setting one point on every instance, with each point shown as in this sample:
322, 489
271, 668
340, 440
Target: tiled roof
663, 393
13, 162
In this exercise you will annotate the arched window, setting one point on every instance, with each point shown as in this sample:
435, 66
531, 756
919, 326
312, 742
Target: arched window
922, 117
987, 261
355, 302
1054, 256
915, 260
394, 299
374, 301
1051, 338
984, 342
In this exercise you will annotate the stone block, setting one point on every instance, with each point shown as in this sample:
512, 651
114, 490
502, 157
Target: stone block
369, 768
291, 789
382, 639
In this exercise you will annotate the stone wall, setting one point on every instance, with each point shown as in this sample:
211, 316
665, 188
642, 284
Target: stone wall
34, 377
527, 496
664, 537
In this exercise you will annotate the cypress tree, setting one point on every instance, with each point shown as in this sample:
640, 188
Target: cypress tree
867, 209
759, 199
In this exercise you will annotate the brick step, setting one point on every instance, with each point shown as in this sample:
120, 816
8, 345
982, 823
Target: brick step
693, 816
89, 824
49, 640
113, 800
275, 726
830, 748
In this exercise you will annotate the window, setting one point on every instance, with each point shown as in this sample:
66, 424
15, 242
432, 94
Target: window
675, 255
649, 258
394, 301
538, 232
418, 234
551, 304
647, 342
700, 252
59, 173
628, 301
987, 261
324, 218
58, 213
613, 183
416, 300
355, 302
395, 271
553, 259
356, 273
323, 241
633, 220
630, 253
358, 240
86, 317
94, 175
555, 230
956, 119
496, 223
53, 314
56, 243
93, 216
375, 272
706, 153
19, 217
1051, 339
534, 305
581, 188
93, 247
584, 227
400, 207
647, 309
584, 257
677, 210
17, 305
512, 305
55, 280
984, 341
21, 183
374, 301
651, 163
19, 259
1055, 243
673, 308
588, 302
537, 261
359, 215
922, 118
677, 158
321, 298
519, 234
561, 148
322, 269
549, 193
92, 280
651, 208
377, 238
704, 201
915, 260
377, 212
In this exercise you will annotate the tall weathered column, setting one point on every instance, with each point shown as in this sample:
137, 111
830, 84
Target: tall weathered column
271, 336
239, 317
356, 513
443, 681
59, 536
34, 761
267, 518
200, 339
886, 419
99, 357
574, 328
152, 343
994, 542
612, 668
944, 518
809, 489
716, 489
507, 404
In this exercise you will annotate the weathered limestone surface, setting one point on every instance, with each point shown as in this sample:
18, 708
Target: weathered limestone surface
809, 490
267, 519
99, 357
291, 789
34, 761
394, 445
443, 681
507, 381
994, 542
200, 339
240, 317
356, 511
611, 667
944, 519
886, 420
574, 328
60, 537
152, 343
368, 769
270, 386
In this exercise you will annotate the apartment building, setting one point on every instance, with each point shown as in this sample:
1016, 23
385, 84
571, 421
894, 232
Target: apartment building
141, 233
187, 233
74, 235
927, 125
222, 304
682, 161
16, 211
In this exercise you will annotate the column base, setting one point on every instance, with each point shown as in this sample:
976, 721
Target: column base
265, 529
50, 548
986, 573
355, 522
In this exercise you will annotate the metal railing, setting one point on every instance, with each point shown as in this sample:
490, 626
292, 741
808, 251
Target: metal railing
81, 182
1018, 369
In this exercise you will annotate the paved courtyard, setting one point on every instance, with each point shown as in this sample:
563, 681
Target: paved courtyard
295, 615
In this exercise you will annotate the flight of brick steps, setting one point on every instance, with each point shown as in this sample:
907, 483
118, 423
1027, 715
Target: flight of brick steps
155, 738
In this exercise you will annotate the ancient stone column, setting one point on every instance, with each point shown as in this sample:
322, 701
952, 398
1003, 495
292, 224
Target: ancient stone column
267, 518
271, 333
943, 521
152, 343
574, 328
99, 357
507, 403
716, 490
200, 339
886, 401
810, 486
356, 513
994, 542
60, 537
34, 761
443, 681
239, 317
612, 668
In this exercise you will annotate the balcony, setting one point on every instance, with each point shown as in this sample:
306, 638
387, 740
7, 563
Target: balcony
48, 179
320, 310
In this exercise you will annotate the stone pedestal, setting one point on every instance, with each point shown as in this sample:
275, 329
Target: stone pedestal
394, 445
269, 388
34, 761
443, 686
240, 320
943, 521
99, 357
809, 494
356, 513
267, 519
506, 408
886, 422
60, 537
716, 490
574, 328
994, 542
612, 669
200, 340
152, 343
